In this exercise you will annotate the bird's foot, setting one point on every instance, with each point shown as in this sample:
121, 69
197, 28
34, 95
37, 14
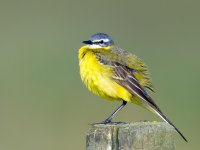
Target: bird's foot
105, 121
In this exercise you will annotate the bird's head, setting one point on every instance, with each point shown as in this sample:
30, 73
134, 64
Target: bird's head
99, 40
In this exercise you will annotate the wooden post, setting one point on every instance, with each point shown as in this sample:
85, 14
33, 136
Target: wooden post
131, 136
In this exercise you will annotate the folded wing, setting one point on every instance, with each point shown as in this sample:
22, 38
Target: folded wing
125, 77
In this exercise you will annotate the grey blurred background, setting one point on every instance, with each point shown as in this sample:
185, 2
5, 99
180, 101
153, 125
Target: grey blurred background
44, 105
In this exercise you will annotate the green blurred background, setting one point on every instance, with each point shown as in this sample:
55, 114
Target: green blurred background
43, 103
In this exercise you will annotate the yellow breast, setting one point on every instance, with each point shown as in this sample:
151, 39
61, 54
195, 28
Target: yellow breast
98, 77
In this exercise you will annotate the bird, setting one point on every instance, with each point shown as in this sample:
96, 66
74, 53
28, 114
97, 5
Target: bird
116, 74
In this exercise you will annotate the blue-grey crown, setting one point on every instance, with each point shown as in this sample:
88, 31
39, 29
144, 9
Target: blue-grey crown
100, 39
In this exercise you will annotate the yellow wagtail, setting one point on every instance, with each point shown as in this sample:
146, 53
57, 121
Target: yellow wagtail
116, 74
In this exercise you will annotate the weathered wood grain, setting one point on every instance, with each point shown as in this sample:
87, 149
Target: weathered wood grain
131, 136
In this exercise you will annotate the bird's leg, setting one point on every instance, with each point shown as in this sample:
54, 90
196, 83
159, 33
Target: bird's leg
108, 120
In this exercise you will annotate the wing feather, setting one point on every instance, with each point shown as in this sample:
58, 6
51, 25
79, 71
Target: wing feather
128, 81
126, 58
125, 77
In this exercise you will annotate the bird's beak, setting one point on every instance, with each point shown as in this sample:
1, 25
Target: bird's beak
87, 42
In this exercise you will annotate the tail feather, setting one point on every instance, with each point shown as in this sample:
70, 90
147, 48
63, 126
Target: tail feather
160, 114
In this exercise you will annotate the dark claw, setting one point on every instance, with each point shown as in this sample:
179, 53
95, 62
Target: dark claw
105, 122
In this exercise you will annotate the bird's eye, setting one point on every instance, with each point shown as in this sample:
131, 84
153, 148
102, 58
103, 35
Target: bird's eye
101, 42
98, 42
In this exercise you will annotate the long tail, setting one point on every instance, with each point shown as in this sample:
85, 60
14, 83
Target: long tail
160, 114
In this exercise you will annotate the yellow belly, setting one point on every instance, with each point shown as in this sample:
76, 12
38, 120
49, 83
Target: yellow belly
98, 78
